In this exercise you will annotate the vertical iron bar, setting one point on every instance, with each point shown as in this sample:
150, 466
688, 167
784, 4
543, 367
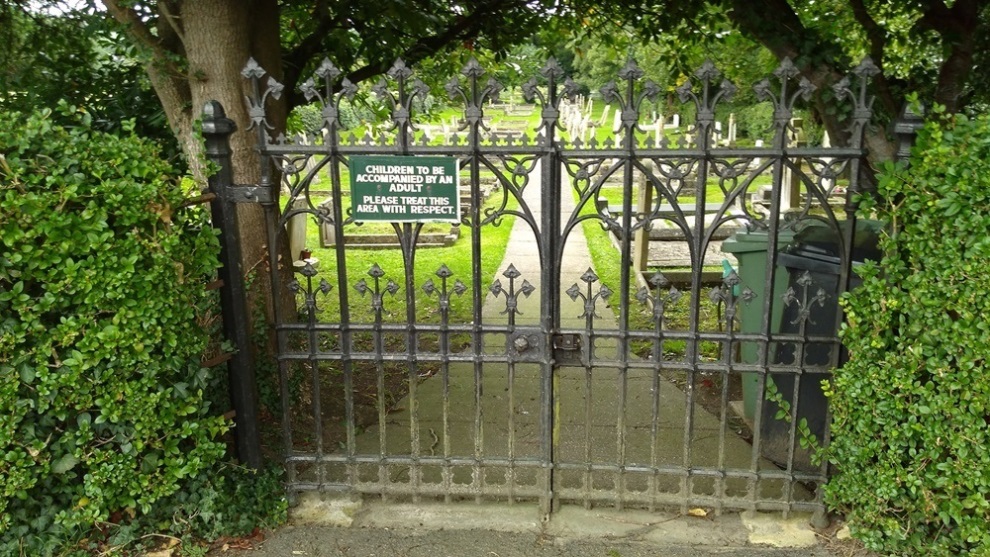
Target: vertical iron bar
510, 475
343, 297
630, 117
779, 153
799, 363
657, 355
705, 122
727, 352
473, 113
551, 262
444, 295
409, 261
314, 368
217, 129
408, 238
379, 351
589, 414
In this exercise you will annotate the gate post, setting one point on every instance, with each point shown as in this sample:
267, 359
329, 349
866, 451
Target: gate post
217, 129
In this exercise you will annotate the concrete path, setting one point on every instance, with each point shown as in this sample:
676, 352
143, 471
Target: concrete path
339, 527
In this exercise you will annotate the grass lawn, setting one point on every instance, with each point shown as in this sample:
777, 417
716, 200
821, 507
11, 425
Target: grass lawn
428, 260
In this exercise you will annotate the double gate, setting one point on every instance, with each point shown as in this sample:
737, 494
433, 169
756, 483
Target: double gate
630, 320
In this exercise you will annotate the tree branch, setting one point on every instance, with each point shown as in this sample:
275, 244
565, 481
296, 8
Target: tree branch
140, 32
166, 77
957, 28
874, 33
132, 21
773, 24
460, 29
165, 9
877, 37
296, 59
948, 21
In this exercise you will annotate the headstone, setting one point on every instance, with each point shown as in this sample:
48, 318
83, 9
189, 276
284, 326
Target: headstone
297, 229
732, 128
604, 116
757, 161
328, 234
827, 183
617, 121
641, 238
790, 192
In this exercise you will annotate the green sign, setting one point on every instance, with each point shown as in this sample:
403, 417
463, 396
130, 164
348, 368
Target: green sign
404, 189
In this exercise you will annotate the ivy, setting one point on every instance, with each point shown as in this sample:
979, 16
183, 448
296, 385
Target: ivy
103, 406
911, 408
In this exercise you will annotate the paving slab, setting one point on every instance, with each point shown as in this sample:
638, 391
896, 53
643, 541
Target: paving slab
355, 528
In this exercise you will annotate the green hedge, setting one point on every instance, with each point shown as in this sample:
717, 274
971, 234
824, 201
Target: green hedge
103, 323
911, 408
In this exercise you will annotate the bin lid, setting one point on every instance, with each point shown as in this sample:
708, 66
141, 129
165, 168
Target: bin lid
752, 241
821, 241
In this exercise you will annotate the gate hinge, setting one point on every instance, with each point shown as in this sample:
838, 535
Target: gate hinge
250, 194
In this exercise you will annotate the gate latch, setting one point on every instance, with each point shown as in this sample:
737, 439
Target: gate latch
567, 348
567, 341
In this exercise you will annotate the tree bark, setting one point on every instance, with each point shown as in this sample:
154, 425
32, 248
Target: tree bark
197, 52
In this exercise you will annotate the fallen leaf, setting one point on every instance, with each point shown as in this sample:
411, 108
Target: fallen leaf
698, 512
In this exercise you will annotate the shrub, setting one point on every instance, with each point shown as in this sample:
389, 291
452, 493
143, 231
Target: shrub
911, 408
102, 301
755, 121
306, 119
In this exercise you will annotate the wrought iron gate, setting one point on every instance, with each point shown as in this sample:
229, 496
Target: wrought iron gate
549, 376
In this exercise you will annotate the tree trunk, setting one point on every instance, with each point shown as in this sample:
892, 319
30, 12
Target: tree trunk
219, 38
216, 38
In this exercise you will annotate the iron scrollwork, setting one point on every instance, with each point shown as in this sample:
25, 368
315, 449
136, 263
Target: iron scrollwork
443, 293
512, 294
309, 292
376, 290
729, 293
589, 297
